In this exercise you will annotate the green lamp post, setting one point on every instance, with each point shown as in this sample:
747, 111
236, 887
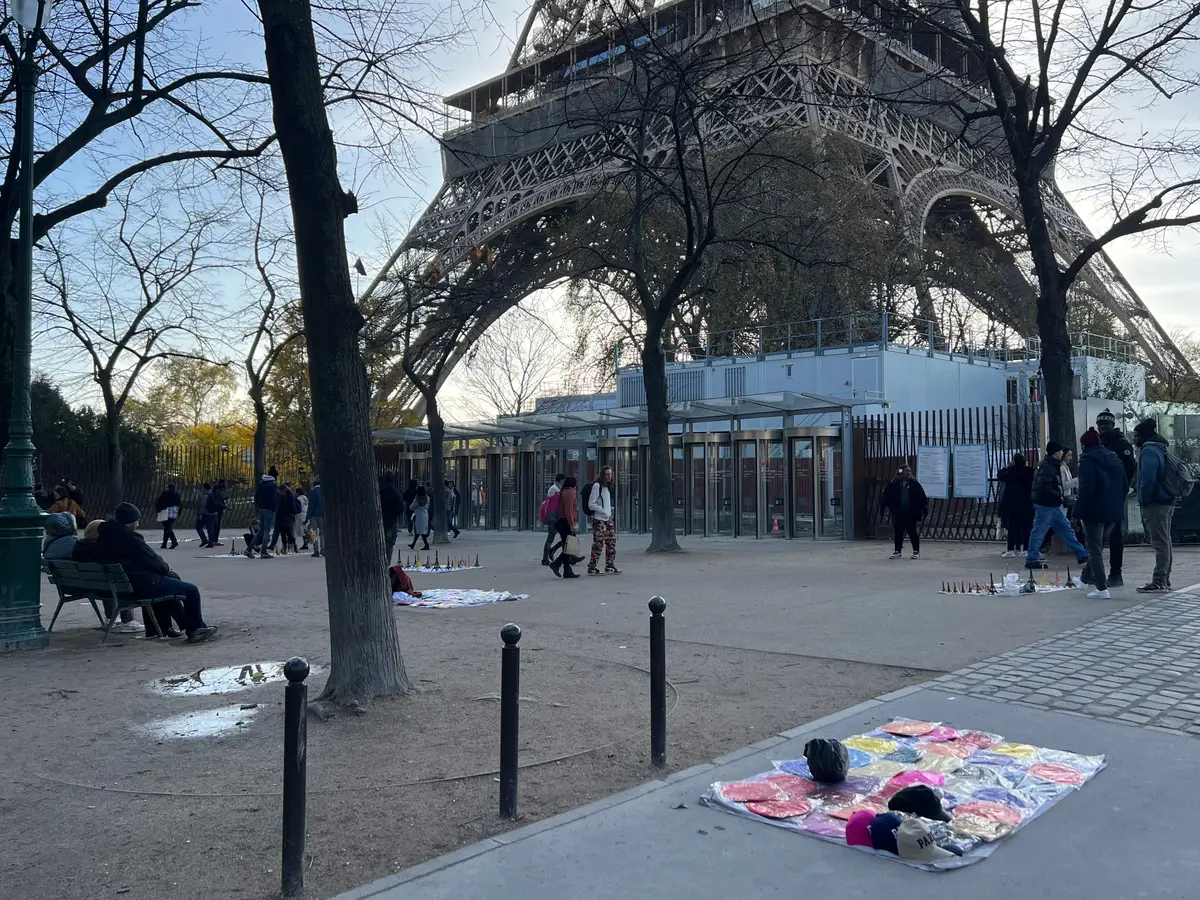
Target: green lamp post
20, 518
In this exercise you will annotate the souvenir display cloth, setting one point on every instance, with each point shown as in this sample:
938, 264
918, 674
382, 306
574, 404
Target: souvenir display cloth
990, 786
453, 598
440, 570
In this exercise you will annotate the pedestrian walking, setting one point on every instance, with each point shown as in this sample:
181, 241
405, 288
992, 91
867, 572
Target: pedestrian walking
166, 510
391, 506
599, 507
216, 508
566, 526
1157, 500
1016, 504
1048, 514
316, 515
266, 501
1099, 505
905, 501
409, 495
420, 518
550, 515
201, 497
300, 528
285, 521
1112, 439
451, 499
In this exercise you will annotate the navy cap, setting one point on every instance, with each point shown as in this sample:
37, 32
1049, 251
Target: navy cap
883, 832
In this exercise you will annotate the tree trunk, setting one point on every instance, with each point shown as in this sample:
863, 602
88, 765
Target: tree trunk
260, 437
654, 374
364, 647
115, 459
437, 471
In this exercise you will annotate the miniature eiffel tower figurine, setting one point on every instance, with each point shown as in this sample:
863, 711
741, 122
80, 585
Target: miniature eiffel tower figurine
476, 560
991, 583
1070, 581
427, 561
437, 563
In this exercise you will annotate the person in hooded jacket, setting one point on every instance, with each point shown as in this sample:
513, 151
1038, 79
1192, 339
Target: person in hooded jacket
1112, 439
119, 541
169, 502
1158, 503
906, 502
60, 539
1099, 505
266, 501
1016, 504
1048, 511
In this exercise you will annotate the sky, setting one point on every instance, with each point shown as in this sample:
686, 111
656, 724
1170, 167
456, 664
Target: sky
389, 202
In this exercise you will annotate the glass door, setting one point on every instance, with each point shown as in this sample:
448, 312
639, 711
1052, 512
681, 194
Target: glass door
829, 485
478, 492
508, 491
747, 525
696, 489
677, 487
803, 489
773, 522
628, 477
720, 484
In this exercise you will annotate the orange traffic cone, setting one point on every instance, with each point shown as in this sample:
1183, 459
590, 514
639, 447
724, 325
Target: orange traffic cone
775, 525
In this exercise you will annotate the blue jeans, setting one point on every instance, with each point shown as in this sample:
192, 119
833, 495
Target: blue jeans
210, 526
191, 601
201, 525
1052, 518
266, 526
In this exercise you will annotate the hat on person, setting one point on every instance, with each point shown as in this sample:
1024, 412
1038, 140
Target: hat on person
127, 513
1145, 427
1091, 438
920, 800
858, 829
827, 759
1106, 416
883, 832
914, 841
1053, 447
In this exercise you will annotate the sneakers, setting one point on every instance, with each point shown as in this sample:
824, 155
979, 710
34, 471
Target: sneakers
248, 553
1099, 595
218, 544
611, 570
916, 555
1009, 554
201, 634
128, 627
896, 555
1116, 581
592, 571
265, 555
1153, 588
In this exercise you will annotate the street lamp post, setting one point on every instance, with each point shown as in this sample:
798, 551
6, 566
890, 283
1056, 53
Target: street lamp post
20, 517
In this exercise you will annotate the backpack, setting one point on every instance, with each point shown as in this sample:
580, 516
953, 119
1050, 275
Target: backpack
587, 506
549, 508
1176, 476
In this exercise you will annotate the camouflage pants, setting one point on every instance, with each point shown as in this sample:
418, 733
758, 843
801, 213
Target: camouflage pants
604, 534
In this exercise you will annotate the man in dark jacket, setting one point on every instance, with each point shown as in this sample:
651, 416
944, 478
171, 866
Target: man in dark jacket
1100, 505
409, 495
1112, 439
266, 501
392, 506
906, 502
1158, 503
216, 508
1016, 504
120, 542
1048, 514
316, 515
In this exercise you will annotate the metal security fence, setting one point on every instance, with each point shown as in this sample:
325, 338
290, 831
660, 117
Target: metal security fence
883, 443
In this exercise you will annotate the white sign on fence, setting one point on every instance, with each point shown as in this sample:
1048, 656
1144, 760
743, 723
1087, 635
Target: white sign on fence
970, 470
933, 470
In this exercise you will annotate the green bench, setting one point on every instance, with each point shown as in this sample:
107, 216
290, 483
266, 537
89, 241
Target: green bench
106, 582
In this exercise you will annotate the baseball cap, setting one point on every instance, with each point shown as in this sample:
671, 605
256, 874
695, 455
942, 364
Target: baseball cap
883, 832
920, 800
914, 841
858, 829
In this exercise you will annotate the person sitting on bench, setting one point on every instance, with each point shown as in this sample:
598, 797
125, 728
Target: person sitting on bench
120, 542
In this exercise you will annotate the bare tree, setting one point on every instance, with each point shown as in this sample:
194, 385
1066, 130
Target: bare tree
1062, 76
135, 294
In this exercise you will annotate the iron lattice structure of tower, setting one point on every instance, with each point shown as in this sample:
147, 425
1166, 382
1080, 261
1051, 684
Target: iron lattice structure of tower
859, 70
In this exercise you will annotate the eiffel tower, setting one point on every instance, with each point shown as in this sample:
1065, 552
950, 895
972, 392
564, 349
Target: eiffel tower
505, 170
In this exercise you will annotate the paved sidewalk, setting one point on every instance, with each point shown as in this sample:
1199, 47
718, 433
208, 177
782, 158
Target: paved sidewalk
1124, 686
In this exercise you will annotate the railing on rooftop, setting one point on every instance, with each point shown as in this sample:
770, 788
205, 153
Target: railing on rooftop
873, 331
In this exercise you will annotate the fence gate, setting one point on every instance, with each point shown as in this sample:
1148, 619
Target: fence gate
883, 443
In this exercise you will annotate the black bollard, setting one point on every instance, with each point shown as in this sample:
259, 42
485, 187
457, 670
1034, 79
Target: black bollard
295, 740
658, 682
510, 694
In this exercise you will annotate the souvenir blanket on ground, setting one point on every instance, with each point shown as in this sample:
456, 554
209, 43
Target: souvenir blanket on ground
988, 786
453, 598
434, 570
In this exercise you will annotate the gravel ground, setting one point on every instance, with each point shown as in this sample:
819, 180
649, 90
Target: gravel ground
93, 805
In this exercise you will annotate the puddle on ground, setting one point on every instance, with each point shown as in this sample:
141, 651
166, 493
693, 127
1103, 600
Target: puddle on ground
224, 679
204, 724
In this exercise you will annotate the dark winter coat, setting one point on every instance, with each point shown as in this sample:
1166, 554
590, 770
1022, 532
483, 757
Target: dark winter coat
266, 494
285, 513
391, 504
60, 539
118, 544
918, 502
1119, 444
1047, 483
1016, 502
316, 503
1101, 486
166, 500
216, 502
1150, 489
